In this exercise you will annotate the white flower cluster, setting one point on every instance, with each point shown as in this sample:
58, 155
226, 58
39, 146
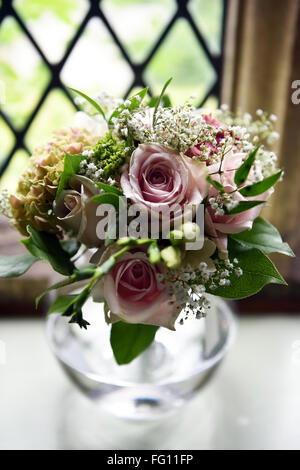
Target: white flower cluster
187, 286
5, 207
107, 102
265, 164
90, 170
137, 124
224, 269
177, 128
94, 173
253, 132
222, 202
260, 130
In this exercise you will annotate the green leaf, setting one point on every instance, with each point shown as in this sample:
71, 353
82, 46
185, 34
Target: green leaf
129, 340
14, 266
91, 101
58, 285
264, 237
137, 98
160, 97
46, 246
70, 305
71, 168
258, 271
215, 184
242, 173
259, 188
165, 101
135, 102
62, 304
109, 189
108, 198
85, 272
243, 206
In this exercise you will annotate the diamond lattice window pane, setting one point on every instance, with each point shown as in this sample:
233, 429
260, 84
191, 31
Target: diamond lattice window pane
57, 111
138, 24
7, 139
43, 18
96, 63
24, 74
208, 15
17, 165
182, 57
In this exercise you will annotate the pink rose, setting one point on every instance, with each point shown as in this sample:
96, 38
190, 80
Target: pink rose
76, 213
159, 178
134, 291
218, 226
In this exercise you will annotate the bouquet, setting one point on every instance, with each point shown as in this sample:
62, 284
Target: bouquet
151, 209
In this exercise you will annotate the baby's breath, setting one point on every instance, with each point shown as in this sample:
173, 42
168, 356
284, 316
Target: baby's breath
188, 286
261, 126
177, 128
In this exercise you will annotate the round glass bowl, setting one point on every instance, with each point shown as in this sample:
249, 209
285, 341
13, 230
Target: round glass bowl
156, 383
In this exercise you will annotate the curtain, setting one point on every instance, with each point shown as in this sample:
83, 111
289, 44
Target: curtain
262, 60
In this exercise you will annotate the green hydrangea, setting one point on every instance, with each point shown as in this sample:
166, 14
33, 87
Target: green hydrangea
36, 190
109, 155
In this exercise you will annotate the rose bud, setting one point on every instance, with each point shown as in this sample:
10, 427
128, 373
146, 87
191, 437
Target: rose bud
76, 213
171, 256
191, 232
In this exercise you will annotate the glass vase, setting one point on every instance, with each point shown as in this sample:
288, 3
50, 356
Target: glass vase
158, 382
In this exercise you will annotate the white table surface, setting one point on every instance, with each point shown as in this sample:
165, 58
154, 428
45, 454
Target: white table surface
253, 401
